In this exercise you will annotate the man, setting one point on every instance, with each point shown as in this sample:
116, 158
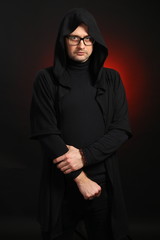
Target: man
79, 114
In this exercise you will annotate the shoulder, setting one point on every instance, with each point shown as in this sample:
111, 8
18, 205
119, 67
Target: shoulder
111, 73
45, 74
44, 79
112, 77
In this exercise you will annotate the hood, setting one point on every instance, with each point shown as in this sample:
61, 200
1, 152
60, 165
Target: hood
69, 23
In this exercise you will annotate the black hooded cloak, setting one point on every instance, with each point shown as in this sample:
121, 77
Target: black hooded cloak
50, 86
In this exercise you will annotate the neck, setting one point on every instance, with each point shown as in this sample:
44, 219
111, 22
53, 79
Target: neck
75, 65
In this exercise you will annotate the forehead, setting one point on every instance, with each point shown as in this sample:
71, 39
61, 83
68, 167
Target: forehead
81, 30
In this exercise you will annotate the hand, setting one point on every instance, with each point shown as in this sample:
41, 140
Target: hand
88, 188
70, 161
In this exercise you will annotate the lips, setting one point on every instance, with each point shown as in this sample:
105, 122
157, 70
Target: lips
80, 53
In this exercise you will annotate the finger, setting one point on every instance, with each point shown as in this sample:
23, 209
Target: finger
68, 146
67, 171
98, 194
62, 164
91, 198
59, 159
63, 168
86, 198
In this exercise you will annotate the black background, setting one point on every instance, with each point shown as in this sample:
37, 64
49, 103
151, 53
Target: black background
28, 33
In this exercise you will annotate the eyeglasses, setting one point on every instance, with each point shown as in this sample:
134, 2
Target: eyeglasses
75, 40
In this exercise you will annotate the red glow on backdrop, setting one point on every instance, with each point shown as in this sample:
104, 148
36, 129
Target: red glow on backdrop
126, 59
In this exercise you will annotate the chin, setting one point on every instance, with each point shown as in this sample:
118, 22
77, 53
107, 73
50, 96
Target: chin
80, 59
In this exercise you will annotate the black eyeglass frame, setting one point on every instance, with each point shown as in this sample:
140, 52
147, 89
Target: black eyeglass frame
80, 39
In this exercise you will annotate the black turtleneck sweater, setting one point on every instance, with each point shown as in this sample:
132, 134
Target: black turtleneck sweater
82, 120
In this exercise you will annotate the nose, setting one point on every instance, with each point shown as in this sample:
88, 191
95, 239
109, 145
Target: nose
81, 44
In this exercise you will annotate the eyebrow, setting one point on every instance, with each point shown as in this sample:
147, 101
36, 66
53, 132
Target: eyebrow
77, 35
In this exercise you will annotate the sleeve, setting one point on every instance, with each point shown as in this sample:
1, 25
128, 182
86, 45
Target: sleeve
118, 130
43, 119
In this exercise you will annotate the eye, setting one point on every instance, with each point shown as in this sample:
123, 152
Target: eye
74, 38
88, 38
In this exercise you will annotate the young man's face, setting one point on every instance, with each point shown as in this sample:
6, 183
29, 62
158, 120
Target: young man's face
80, 52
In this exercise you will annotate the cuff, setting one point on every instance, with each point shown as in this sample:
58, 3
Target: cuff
74, 174
87, 156
83, 157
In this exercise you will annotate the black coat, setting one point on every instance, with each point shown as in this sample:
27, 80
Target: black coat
50, 86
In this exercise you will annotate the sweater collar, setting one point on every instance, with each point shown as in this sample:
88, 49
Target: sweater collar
77, 66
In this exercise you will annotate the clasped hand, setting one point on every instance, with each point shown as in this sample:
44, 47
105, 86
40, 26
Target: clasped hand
70, 161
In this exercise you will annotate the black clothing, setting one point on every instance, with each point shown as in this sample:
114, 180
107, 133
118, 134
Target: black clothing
96, 214
78, 108
52, 87
80, 111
